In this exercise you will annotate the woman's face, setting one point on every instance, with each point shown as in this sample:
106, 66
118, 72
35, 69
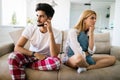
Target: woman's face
90, 21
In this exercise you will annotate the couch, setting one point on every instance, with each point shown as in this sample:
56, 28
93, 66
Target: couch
103, 46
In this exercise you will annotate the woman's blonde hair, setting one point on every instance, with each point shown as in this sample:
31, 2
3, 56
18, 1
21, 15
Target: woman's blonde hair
80, 26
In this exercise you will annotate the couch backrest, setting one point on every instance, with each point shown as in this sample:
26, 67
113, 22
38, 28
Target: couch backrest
102, 42
15, 35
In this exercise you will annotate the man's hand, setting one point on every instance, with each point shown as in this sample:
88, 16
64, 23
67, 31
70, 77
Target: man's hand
39, 56
48, 25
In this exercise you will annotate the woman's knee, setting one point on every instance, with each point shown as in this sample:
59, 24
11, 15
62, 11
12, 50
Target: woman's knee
113, 59
77, 60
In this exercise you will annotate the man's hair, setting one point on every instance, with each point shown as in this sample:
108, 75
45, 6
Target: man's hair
48, 9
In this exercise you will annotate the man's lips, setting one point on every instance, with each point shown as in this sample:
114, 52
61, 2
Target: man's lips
40, 25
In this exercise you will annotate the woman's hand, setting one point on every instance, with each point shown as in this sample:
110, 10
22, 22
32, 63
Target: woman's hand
91, 29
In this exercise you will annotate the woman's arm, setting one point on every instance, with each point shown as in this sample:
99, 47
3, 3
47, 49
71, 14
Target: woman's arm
74, 44
91, 48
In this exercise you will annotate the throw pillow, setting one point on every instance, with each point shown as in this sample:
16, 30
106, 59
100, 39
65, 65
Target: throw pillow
15, 35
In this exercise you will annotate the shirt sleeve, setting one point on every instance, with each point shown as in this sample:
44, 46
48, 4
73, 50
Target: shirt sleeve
92, 51
74, 44
28, 31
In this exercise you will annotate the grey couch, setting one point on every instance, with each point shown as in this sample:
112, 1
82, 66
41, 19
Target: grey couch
102, 41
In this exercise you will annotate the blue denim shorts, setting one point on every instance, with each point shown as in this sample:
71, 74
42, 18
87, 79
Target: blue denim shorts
90, 60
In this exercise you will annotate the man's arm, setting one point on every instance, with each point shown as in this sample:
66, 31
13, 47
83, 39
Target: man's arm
54, 48
20, 46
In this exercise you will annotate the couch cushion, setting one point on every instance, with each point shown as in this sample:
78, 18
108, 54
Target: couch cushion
15, 35
4, 72
31, 74
102, 42
108, 73
6, 47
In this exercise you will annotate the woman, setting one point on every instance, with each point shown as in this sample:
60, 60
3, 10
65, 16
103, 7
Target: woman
80, 45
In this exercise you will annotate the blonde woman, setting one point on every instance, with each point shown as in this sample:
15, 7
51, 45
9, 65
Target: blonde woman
80, 45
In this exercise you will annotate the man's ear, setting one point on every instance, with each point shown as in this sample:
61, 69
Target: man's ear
49, 18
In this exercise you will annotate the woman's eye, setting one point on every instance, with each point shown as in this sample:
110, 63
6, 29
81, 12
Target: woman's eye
93, 18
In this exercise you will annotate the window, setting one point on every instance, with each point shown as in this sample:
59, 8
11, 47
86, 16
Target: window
14, 12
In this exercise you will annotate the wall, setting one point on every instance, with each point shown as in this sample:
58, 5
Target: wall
61, 18
0, 11
112, 13
116, 30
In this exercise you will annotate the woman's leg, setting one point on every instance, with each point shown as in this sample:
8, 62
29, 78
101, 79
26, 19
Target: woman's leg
50, 63
77, 60
17, 63
102, 61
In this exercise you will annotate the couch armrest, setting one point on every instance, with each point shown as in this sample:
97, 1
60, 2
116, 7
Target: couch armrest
6, 47
115, 51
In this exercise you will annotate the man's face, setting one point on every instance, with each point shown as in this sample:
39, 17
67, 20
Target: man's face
41, 17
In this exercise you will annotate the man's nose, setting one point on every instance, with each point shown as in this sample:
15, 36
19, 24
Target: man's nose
38, 19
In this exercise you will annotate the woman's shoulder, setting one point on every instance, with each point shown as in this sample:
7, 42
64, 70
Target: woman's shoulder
73, 30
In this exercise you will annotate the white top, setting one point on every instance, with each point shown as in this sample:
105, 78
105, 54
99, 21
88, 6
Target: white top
74, 44
39, 42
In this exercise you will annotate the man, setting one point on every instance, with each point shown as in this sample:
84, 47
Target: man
44, 46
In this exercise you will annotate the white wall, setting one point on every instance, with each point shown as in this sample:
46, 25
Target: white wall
61, 18
0, 11
112, 13
116, 30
